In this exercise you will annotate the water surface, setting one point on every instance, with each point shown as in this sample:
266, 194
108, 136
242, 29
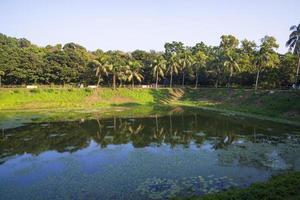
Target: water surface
153, 157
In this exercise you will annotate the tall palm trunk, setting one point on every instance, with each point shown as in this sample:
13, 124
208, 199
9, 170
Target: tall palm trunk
183, 76
297, 73
196, 85
171, 79
132, 83
0, 82
156, 80
98, 82
230, 76
257, 77
114, 81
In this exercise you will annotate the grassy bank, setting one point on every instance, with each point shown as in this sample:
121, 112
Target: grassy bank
281, 187
278, 104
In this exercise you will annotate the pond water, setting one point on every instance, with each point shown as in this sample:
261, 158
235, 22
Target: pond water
153, 157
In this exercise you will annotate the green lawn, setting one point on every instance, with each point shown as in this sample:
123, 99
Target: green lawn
279, 104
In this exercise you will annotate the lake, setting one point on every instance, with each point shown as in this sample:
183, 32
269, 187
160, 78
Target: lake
150, 157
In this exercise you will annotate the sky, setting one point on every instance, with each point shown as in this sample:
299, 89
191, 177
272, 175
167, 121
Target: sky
128, 25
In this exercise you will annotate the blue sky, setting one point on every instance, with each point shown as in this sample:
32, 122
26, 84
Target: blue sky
146, 24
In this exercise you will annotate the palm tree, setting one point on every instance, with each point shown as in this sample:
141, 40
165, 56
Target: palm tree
294, 45
1, 74
199, 62
159, 68
173, 67
185, 62
101, 69
134, 72
116, 65
232, 64
216, 64
122, 74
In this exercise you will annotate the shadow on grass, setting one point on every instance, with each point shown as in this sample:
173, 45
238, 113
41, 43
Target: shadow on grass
129, 104
160, 96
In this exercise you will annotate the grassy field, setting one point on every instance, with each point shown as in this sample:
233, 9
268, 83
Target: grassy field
276, 104
282, 187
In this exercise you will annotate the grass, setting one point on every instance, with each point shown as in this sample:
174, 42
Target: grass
282, 187
282, 105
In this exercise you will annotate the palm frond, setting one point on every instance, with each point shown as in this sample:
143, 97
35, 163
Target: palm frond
291, 41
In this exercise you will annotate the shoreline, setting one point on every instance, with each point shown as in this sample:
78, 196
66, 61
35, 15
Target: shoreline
278, 106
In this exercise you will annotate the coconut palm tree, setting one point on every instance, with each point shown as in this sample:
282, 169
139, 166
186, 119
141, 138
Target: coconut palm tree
173, 67
116, 64
159, 68
122, 74
200, 59
134, 72
1, 74
185, 62
101, 69
231, 64
294, 45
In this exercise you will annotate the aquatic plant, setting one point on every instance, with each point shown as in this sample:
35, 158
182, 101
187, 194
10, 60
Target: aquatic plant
160, 188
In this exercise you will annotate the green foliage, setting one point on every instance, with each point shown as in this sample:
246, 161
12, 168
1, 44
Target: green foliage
294, 39
22, 62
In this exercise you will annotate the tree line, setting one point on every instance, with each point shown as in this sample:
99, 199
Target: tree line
231, 63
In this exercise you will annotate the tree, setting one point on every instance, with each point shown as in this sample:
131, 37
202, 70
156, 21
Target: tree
228, 45
247, 54
294, 45
200, 60
246, 62
1, 74
173, 47
100, 68
286, 70
116, 65
231, 64
24, 62
216, 64
173, 67
159, 68
134, 72
185, 61
266, 56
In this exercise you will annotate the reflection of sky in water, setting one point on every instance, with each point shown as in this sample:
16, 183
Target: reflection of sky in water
85, 161
120, 164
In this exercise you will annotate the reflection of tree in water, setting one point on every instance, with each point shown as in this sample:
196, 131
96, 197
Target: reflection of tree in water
268, 152
177, 129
